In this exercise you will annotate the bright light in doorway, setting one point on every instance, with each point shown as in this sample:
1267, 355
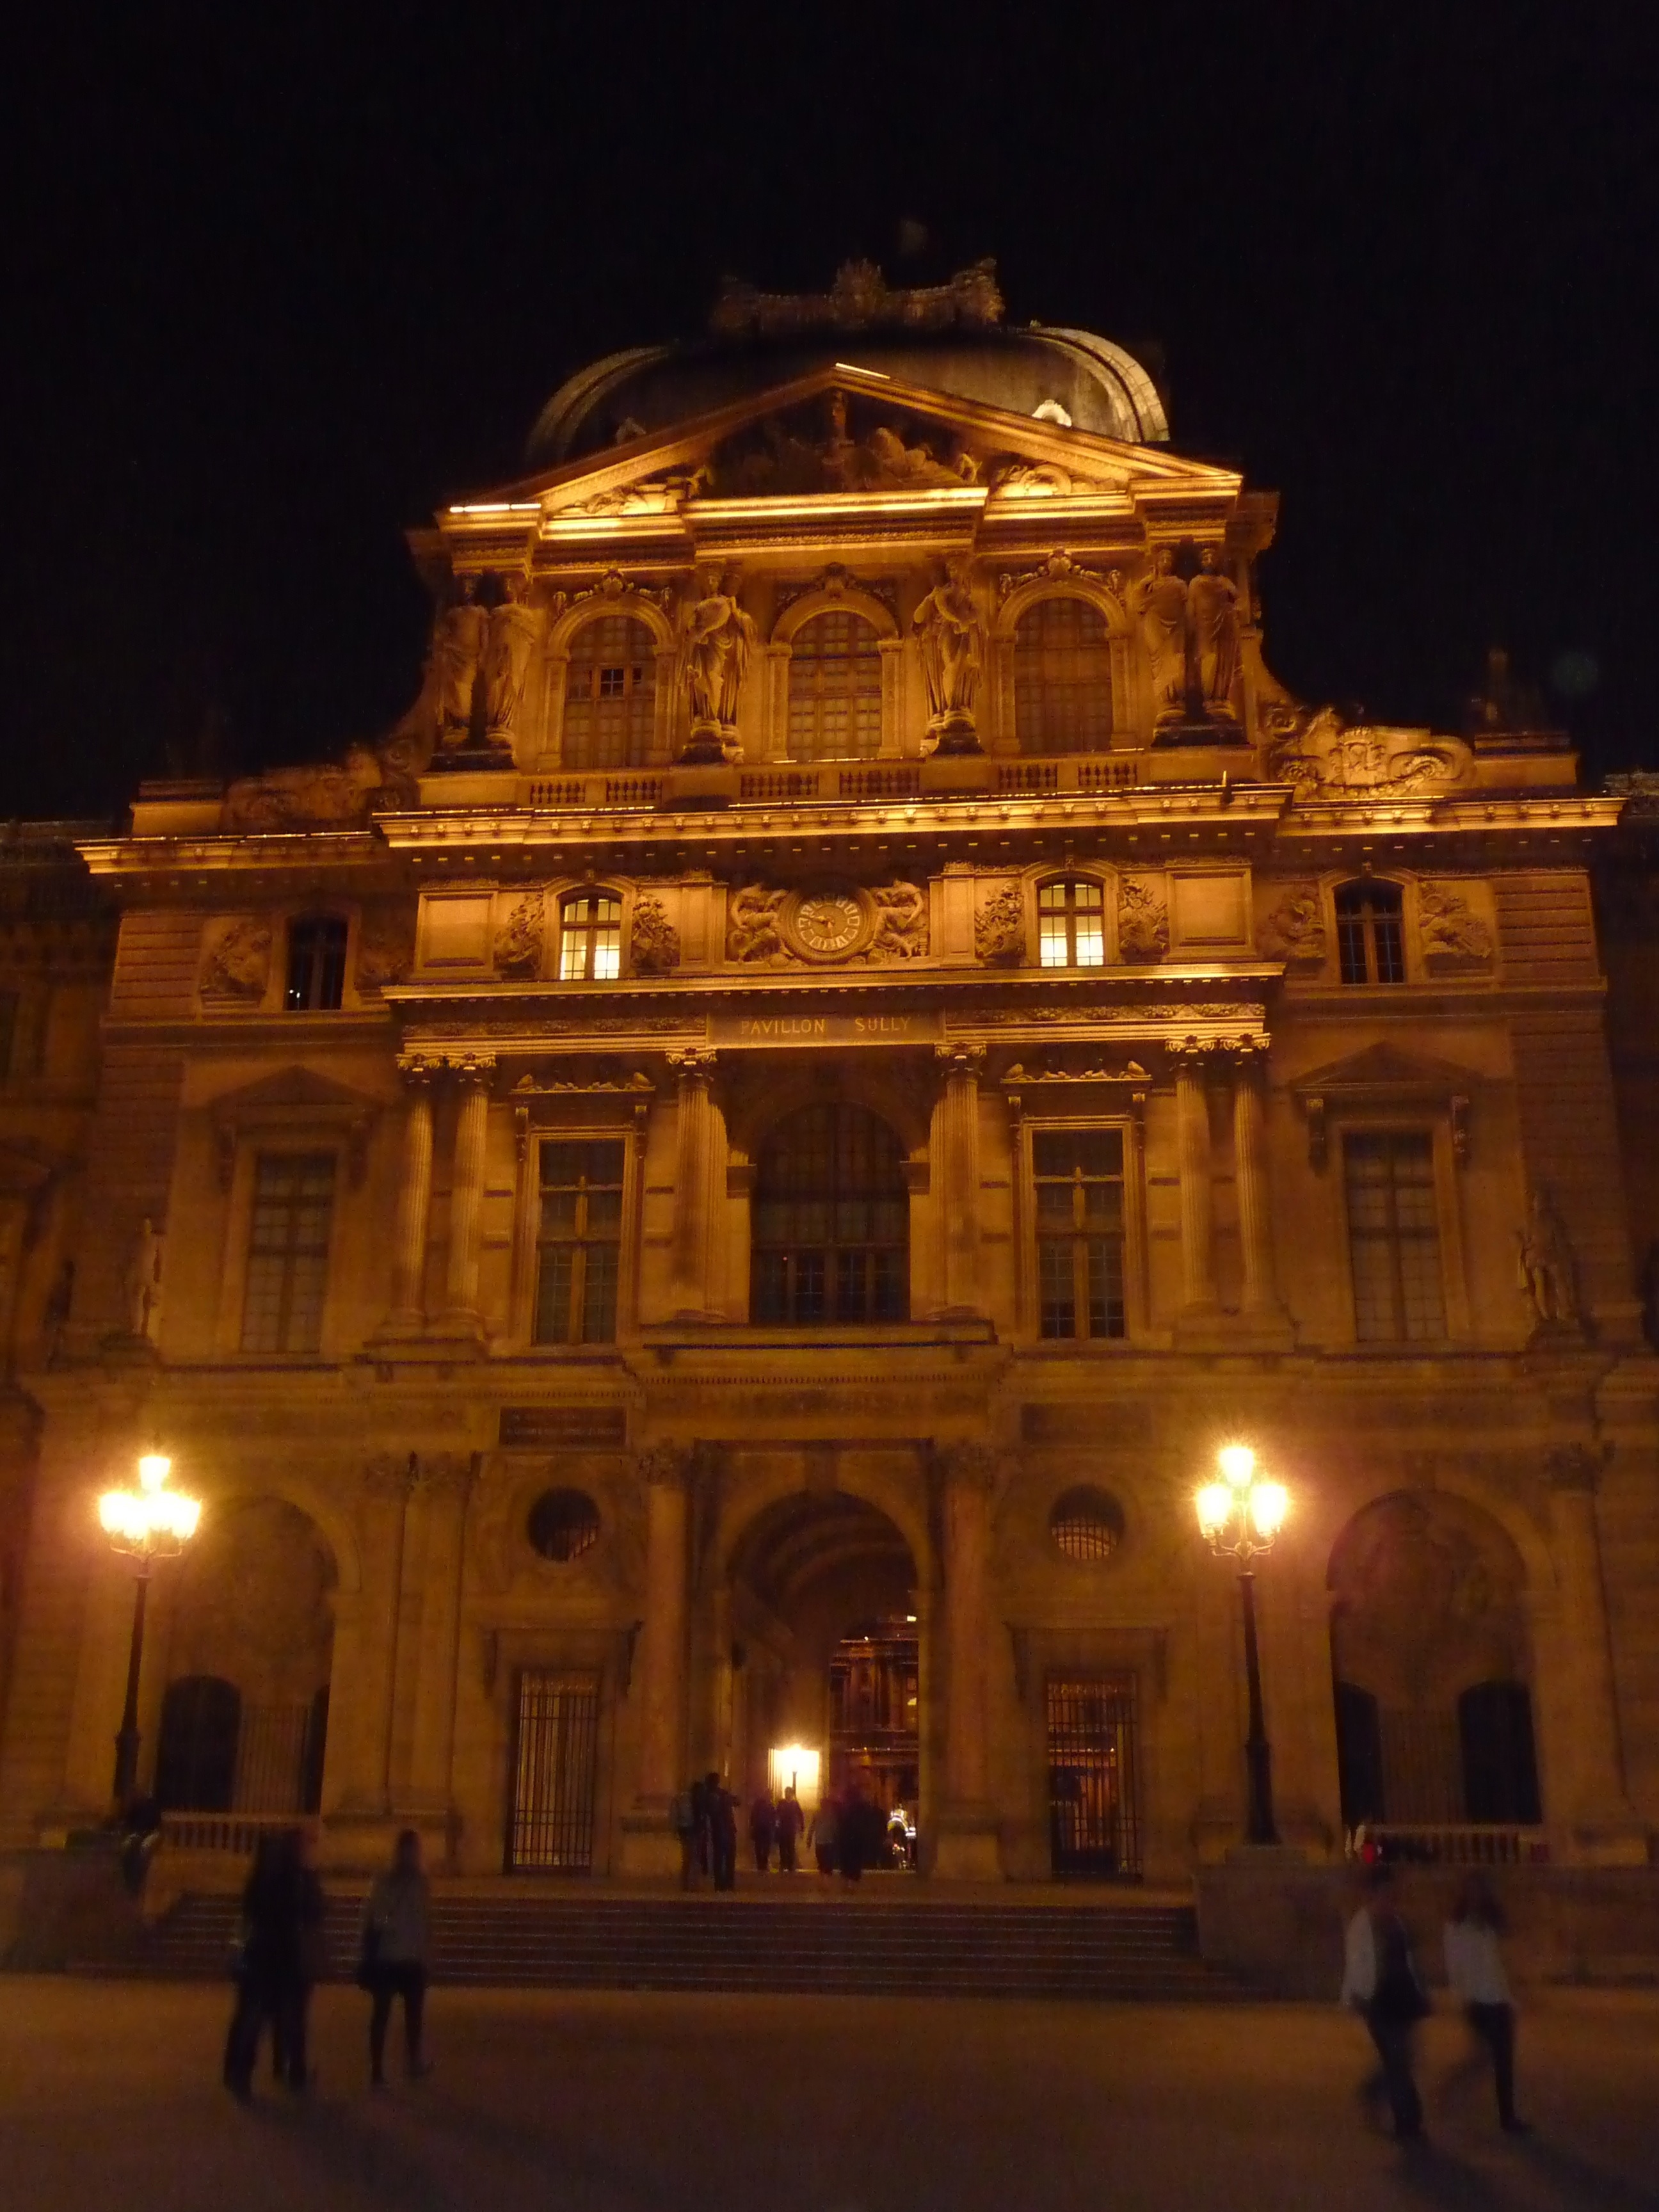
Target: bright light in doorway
795, 1767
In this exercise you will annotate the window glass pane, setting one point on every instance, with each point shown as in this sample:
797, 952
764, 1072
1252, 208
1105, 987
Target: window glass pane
590, 938
831, 1220
610, 701
316, 964
1393, 1238
1079, 1187
580, 1258
835, 688
1056, 1291
1062, 678
1370, 946
287, 1252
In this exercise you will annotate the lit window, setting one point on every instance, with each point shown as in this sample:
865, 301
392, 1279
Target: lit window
1393, 1238
1062, 678
590, 938
1078, 1179
578, 1243
316, 964
835, 688
1072, 925
287, 1252
610, 697
831, 1220
1371, 942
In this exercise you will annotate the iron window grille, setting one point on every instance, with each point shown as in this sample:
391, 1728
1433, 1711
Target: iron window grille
835, 688
579, 1242
1370, 933
610, 697
287, 1252
1394, 1236
831, 1221
555, 1773
1071, 924
316, 965
590, 938
563, 1525
1093, 1814
1086, 1525
1062, 678
1078, 1179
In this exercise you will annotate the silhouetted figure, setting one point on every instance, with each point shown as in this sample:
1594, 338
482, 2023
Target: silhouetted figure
397, 1955
683, 1818
268, 1973
1475, 1970
292, 2019
722, 1832
825, 1835
1381, 1982
762, 1827
790, 1822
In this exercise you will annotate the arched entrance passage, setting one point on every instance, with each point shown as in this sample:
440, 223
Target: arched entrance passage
1433, 1666
244, 1716
825, 1610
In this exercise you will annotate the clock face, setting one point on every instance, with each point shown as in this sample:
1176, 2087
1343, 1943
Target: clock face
826, 925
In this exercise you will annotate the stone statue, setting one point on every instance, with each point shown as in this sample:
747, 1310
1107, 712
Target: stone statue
947, 632
1160, 603
143, 1281
459, 639
1212, 602
514, 628
719, 643
1545, 1262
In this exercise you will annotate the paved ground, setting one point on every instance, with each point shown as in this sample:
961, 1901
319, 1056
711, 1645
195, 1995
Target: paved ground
608, 2102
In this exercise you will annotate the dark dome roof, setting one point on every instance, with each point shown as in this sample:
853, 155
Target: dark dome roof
760, 341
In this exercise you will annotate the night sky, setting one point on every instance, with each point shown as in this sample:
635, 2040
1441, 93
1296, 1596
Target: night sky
277, 284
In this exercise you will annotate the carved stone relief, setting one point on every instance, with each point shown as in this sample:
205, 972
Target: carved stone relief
836, 924
999, 928
517, 950
1059, 568
1320, 756
655, 946
1293, 928
386, 947
1456, 940
236, 958
1142, 920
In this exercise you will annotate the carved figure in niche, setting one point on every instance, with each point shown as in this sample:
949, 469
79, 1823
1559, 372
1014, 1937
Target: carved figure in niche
1454, 936
719, 643
1545, 1264
460, 637
514, 627
1212, 602
947, 633
999, 928
752, 930
1159, 601
1294, 931
236, 962
142, 1282
1143, 922
1320, 756
385, 948
518, 941
654, 947
900, 931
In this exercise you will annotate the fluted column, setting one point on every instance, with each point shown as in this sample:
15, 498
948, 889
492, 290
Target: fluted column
959, 1130
467, 1189
414, 1203
1254, 1197
1603, 1822
1197, 1207
693, 1157
966, 1826
657, 1683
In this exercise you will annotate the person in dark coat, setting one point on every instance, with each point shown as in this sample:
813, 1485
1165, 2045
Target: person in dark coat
397, 1955
722, 1808
268, 1969
762, 1827
1379, 1980
825, 1837
790, 1822
290, 2021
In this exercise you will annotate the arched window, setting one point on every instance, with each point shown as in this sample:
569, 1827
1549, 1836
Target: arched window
316, 964
590, 938
835, 688
1370, 936
1071, 925
610, 695
831, 1220
1062, 678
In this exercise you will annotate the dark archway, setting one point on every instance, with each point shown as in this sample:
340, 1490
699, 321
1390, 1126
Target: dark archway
196, 1751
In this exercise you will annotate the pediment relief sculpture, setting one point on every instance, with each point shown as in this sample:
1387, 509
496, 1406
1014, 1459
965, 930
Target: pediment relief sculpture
236, 953
999, 928
809, 449
655, 945
1320, 757
1293, 928
829, 926
1142, 920
1456, 940
520, 937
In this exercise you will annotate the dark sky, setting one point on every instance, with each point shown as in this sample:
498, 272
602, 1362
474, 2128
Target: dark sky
276, 283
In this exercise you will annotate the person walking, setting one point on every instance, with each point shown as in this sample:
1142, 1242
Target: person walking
722, 1807
790, 1822
1475, 1970
1381, 1982
825, 1834
267, 1968
762, 1827
397, 1955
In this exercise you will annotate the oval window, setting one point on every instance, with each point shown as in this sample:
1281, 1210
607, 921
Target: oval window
1087, 1524
563, 1524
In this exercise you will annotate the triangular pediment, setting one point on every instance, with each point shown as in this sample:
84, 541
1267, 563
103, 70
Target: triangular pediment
299, 1091
845, 430
1385, 1068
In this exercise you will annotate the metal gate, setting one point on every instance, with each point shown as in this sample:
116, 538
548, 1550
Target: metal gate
1093, 1818
554, 1766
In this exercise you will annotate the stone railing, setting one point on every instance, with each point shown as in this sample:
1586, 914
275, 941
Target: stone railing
618, 788
1450, 1842
860, 783
238, 1834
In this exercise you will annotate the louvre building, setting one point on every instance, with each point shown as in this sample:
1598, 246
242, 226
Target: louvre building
709, 1201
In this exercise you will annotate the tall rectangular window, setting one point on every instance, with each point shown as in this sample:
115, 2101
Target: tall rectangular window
287, 1252
1393, 1238
1078, 1178
316, 964
578, 1243
1071, 925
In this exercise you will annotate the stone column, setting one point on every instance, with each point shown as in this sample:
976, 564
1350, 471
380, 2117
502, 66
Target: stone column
658, 1687
466, 1190
414, 1205
958, 1124
443, 1484
1197, 1210
371, 1691
1604, 1826
693, 1157
966, 1826
1254, 1197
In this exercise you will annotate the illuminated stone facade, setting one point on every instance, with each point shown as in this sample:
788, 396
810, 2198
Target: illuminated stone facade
851, 1038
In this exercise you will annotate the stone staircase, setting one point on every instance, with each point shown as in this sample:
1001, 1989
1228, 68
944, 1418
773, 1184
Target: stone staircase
514, 1936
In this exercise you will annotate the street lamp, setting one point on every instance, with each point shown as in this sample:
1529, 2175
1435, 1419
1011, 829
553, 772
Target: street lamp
150, 1523
1238, 1517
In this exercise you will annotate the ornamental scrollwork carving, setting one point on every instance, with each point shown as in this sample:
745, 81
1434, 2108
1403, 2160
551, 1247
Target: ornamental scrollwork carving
655, 946
236, 958
1058, 568
1142, 920
999, 928
1320, 756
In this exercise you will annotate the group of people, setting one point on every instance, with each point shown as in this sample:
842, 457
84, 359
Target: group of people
1381, 1983
847, 1833
282, 1954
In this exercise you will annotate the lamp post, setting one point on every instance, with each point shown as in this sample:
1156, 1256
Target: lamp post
1239, 1516
150, 1523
